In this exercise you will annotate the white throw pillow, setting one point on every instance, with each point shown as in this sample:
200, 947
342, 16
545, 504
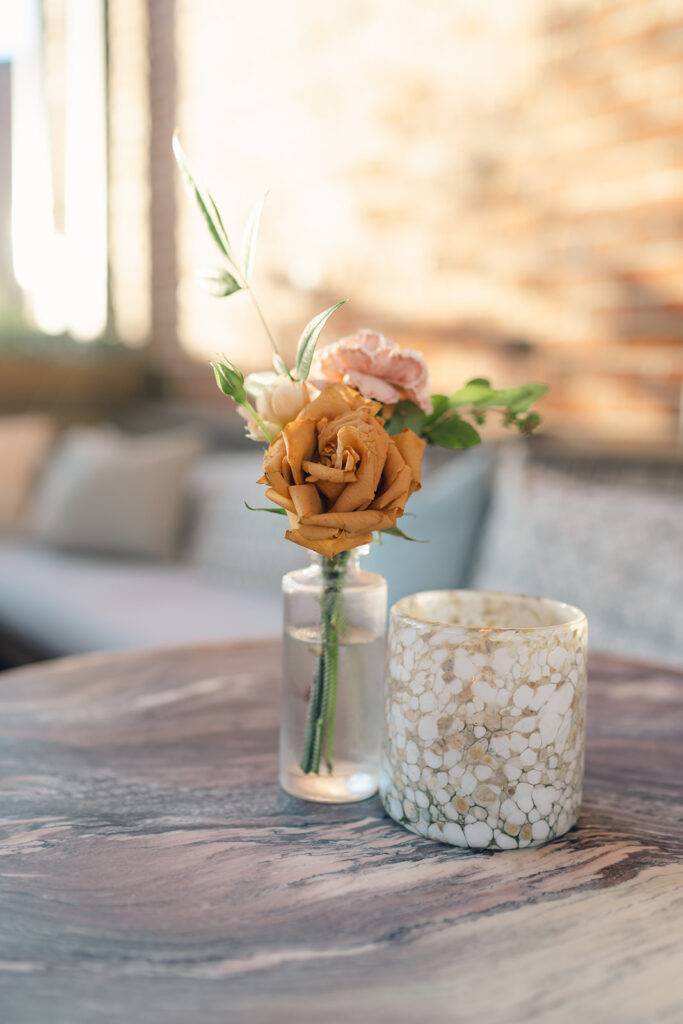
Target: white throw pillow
113, 493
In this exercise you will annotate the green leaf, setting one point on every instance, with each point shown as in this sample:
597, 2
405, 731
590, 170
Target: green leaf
309, 339
394, 531
249, 241
453, 432
529, 423
280, 365
516, 399
481, 381
207, 206
440, 405
275, 511
218, 283
472, 394
406, 414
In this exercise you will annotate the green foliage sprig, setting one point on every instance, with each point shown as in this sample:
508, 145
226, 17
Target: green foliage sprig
454, 419
448, 424
237, 274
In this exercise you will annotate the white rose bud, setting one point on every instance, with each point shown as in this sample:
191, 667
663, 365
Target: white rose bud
278, 403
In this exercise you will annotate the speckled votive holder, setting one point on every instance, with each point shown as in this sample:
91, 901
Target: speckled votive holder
483, 743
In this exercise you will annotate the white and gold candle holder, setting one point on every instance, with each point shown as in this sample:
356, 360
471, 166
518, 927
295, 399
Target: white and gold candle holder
484, 724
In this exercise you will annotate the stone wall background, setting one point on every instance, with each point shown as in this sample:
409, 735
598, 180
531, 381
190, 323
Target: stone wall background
499, 184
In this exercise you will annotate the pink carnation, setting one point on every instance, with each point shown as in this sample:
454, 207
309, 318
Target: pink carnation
376, 367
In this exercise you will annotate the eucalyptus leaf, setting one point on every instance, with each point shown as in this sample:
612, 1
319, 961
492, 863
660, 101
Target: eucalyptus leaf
454, 432
205, 203
249, 241
309, 339
394, 531
406, 414
275, 511
218, 283
218, 220
280, 365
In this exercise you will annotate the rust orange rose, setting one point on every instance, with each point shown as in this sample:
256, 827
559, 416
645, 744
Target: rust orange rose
339, 474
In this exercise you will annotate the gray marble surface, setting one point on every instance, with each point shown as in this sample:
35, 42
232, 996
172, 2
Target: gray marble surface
151, 870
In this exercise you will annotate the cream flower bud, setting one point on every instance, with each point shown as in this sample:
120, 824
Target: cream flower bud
282, 401
278, 402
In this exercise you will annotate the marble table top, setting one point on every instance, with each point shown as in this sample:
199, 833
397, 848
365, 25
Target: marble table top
151, 870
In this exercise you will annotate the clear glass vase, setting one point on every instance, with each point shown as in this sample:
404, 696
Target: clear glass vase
332, 685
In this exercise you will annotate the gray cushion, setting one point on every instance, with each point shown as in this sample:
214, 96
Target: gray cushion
614, 550
105, 492
69, 603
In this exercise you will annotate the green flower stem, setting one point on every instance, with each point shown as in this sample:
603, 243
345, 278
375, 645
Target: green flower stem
323, 701
308, 753
246, 404
335, 622
266, 328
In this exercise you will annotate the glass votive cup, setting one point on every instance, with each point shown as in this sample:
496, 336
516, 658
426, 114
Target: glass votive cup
484, 720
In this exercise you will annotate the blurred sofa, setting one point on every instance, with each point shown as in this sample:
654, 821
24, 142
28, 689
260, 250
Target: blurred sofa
600, 532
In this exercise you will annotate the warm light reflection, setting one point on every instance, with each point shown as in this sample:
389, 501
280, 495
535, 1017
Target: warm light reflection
85, 190
32, 202
64, 276
129, 167
360, 123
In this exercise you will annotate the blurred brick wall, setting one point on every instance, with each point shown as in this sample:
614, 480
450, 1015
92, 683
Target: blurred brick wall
500, 184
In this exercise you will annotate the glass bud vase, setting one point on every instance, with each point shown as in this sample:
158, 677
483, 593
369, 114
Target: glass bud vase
332, 679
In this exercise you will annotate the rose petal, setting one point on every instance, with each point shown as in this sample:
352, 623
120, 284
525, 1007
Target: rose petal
307, 500
316, 532
300, 437
329, 490
332, 402
276, 471
319, 471
372, 387
372, 445
283, 500
331, 546
397, 492
412, 449
350, 522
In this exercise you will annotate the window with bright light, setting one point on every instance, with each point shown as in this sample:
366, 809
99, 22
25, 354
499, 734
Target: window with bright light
58, 177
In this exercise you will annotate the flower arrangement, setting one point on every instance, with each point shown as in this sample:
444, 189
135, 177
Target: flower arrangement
345, 430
